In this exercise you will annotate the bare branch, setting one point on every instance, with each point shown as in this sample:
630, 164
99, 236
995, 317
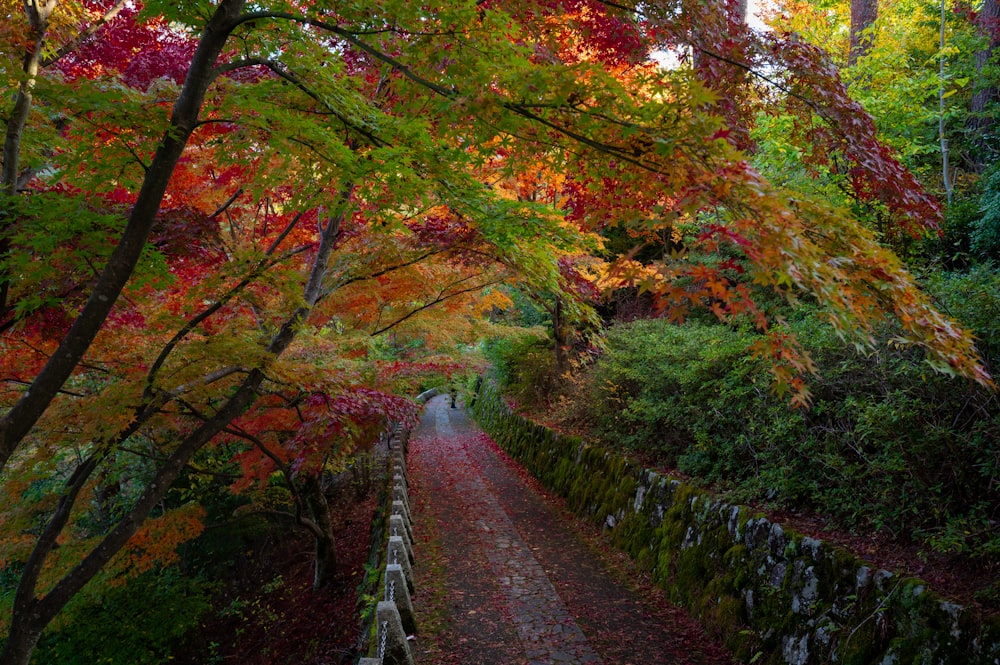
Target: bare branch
225, 206
21, 382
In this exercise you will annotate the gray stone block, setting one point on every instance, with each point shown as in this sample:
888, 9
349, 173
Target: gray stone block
390, 628
397, 592
398, 528
397, 554
399, 508
399, 494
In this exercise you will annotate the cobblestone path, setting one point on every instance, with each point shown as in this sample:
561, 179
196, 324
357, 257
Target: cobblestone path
504, 578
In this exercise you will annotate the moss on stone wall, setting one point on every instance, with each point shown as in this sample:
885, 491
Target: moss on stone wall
773, 595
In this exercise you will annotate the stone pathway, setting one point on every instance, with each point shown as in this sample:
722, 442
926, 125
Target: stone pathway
504, 579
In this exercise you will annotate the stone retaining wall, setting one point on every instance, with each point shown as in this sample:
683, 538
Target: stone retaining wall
773, 595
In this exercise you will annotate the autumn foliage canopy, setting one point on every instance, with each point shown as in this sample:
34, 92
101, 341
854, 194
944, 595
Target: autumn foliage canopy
237, 236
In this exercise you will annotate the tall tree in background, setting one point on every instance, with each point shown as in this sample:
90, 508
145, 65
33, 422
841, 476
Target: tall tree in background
982, 123
864, 13
43, 45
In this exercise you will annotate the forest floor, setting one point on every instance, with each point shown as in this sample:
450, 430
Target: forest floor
267, 613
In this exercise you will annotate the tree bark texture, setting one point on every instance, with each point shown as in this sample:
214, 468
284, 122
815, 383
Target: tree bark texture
863, 16
982, 124
17, 422
325, 566
38, 18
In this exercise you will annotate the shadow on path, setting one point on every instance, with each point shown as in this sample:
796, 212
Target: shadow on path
505, 578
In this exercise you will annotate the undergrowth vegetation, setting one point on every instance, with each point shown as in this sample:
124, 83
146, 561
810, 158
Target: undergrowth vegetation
525, 364
239, 592
887, 445
159, 608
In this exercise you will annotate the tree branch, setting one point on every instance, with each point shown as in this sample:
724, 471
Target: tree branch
384, 271
225, 206
21, 382
281, 70
286, 474
441, 297
85, 34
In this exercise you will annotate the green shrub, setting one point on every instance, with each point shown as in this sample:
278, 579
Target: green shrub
973, 298
672, 390
141, 621
888, 443
523, 365
985, 236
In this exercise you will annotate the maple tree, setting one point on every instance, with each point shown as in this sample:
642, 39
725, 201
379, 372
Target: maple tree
322, 173
193, 368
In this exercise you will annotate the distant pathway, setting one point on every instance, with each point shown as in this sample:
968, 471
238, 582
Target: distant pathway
505, 578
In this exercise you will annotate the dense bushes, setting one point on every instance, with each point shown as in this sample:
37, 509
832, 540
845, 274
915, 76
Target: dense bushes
973, 298
139, 621
888, 443
985, 233
669, 389
525, 364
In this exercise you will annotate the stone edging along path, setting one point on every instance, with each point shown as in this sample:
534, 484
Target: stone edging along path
394, 618
774, 595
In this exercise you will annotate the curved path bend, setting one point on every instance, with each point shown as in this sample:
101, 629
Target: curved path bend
504, 577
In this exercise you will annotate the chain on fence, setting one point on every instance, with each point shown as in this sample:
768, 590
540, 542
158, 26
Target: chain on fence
382, 641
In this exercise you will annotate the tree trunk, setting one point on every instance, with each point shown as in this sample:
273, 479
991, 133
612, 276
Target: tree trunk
18, 421
559, 335
981, 122
20, 645
326, 562
38, 19
863, 15
325, 565
942, 137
